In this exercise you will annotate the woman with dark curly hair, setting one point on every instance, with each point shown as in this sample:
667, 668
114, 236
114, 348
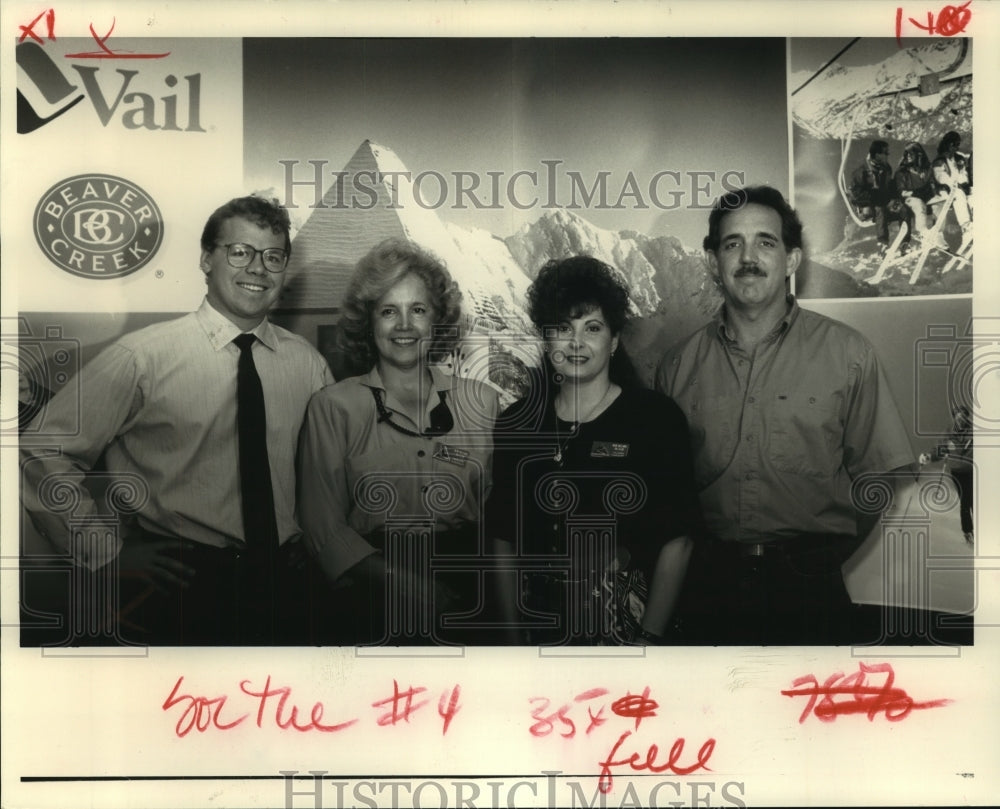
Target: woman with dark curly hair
593, 494
403, 449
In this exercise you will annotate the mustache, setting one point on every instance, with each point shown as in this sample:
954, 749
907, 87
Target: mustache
750, 270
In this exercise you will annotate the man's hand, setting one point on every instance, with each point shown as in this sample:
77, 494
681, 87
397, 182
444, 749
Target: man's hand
152, 560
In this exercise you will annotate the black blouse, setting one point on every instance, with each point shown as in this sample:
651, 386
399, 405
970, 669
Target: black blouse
629, 469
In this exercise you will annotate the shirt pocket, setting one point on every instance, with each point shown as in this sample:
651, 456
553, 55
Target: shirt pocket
805, 434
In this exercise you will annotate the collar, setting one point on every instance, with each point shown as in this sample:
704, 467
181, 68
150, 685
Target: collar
439, 382
221, 331
721, 325
439, 379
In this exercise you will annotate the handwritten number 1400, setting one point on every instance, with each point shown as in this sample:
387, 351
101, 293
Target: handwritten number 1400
951, 21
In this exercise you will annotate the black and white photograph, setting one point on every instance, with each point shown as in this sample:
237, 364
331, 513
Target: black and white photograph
882, 140
458, 413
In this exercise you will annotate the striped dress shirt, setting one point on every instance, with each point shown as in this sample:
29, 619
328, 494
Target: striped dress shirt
160, 404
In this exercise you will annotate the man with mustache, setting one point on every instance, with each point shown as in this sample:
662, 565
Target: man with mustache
786, 409
204, 412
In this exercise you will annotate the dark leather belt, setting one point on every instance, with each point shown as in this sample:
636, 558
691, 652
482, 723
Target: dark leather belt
807, 552
754, 550
197, 553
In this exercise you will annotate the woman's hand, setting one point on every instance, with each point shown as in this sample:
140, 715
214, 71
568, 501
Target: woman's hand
665, 586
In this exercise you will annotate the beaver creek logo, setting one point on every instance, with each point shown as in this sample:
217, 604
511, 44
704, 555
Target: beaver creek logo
98, 226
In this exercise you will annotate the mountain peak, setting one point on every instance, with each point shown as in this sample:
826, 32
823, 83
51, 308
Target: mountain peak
372, 199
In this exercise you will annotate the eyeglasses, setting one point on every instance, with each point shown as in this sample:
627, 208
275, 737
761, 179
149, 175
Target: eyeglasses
241, 255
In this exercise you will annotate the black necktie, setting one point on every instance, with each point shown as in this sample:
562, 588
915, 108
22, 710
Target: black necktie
260, 527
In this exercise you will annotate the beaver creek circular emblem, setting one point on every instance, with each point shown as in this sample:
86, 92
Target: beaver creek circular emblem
98, 226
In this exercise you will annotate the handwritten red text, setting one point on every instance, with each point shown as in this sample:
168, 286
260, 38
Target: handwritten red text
950, 21
853, 694
286, 716
638, 763
402, 705
104, 51
631, 706
636, 707
200, 713
276, 706
29, 29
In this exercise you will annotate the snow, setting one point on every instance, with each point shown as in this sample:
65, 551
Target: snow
841, 99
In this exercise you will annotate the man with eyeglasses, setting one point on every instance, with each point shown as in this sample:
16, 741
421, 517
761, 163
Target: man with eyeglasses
205, 411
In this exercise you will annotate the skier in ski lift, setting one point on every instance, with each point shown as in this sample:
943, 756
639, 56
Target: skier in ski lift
874, 194
915, 183
953, 174
959, 163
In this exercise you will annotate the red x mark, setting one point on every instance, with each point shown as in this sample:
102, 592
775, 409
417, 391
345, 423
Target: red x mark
29, 29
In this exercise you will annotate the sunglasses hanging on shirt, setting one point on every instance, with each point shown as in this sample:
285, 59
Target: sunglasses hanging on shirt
442, 422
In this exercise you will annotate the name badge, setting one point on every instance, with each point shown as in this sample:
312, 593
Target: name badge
452, 455
608, 449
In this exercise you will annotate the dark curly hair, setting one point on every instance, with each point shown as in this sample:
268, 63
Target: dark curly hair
791, 225
567, 288
375, 274
265, 213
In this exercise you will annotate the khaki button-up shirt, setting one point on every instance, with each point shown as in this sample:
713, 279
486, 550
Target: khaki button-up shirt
778, 437
357, 474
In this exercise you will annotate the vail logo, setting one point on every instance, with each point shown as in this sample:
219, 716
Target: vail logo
44, 92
